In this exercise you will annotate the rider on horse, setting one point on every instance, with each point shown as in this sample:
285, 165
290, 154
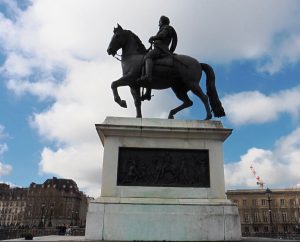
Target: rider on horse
161, 42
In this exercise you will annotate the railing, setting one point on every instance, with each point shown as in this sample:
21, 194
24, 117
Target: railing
14, 233
291, 236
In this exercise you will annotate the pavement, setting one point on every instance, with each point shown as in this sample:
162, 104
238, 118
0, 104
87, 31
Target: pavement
54, 238
57, 238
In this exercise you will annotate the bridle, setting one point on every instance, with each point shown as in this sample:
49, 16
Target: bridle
117, 57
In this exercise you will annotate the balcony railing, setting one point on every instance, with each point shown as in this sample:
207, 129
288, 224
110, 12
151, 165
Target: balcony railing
14, 233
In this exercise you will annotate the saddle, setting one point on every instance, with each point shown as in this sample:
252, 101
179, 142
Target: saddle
164, 61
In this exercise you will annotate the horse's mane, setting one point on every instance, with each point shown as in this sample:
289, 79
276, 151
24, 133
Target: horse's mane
141, 48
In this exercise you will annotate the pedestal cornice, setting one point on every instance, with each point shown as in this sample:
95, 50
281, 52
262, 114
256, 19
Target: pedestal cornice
162, 128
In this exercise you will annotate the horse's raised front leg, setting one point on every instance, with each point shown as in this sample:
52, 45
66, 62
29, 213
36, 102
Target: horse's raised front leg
135, 91
123, 81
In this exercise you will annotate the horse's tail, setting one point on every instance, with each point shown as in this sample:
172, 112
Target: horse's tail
211, 90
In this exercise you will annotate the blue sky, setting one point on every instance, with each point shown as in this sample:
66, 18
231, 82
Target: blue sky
55, 78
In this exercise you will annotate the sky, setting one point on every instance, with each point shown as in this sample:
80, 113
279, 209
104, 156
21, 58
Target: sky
55, 78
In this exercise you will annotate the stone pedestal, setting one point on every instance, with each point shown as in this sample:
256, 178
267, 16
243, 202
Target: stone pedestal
162, 180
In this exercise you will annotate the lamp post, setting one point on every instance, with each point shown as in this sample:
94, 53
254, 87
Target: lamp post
76, 218
50, 216
72, 217
268, 193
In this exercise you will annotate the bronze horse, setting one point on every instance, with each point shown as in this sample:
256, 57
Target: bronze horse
183, 76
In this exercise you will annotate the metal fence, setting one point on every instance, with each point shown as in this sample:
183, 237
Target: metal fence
14, 233
290, 236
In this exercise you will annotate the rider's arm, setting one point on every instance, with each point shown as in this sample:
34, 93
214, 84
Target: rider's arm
162, 34
174, 41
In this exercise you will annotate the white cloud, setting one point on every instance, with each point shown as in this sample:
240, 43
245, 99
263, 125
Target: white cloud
73, 36
42, 89
277, 168
82, 163
255, 107
2, 132
213, 30
3, 148
4, 168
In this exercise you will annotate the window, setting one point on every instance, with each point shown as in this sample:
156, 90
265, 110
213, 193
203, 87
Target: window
285, 228
236, 202
244, 202
292, 202
256, 217
246, 217
254, 202
284, 217
266, 229
265, 216
282, 202
263, 202
246, 229
256, 229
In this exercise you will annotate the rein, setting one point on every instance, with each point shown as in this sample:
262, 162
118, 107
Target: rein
117, 57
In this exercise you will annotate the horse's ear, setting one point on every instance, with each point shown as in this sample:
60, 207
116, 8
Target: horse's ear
119, 27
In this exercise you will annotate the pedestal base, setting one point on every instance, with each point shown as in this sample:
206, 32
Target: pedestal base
176, 220
162, 180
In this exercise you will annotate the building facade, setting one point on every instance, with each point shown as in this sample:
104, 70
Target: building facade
12, 205
55, 202
276, 211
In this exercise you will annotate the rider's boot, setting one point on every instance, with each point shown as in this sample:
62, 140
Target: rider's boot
148, 78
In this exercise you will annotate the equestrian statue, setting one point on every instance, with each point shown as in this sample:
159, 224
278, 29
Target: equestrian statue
160, 68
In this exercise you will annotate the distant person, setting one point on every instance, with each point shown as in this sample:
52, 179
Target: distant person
68, 230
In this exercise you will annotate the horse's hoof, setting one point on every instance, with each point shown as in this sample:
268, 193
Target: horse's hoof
117, 100
171, 117
123, 104
208, 117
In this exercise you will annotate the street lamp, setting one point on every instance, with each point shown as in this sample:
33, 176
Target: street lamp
50, 216
268, 193
72, 217
76, 217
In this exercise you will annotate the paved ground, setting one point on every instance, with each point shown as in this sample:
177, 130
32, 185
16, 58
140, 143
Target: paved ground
54, 238
57, 238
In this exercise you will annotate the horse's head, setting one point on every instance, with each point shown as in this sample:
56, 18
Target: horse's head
127, 40
117, 41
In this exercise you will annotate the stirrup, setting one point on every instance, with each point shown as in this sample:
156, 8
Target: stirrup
146, 96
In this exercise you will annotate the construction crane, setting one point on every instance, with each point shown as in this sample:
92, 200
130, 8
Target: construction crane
259, 181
